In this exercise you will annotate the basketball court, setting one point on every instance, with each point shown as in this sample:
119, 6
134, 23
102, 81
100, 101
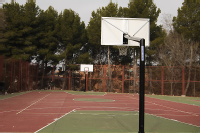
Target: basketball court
72, 111
75, 111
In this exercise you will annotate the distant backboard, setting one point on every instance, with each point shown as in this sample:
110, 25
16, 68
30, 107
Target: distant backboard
113, 29
88, 67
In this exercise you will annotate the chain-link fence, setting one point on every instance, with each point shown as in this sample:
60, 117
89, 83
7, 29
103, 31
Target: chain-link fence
18, 75
161, 80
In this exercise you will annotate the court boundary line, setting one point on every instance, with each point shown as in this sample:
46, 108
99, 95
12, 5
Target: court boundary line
173, 120
84, 94
172, 101
145, 114
74, 110
93, 101
32, 104
56, 119
172, 109
131, 97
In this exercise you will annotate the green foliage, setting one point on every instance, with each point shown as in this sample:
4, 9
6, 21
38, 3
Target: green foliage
3, 49
54, 37
47, 40
187, 21
50, 37
94, 31
84, 59
72, 67
192, 1
147, 9
21, 27
71, 34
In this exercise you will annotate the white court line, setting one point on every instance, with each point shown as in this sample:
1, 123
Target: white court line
69, 93
174, 101
173, 120
191, 113
55, 120
32, 104
173, 109
85, 95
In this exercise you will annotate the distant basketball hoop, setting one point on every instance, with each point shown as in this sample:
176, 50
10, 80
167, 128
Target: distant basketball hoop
86, 68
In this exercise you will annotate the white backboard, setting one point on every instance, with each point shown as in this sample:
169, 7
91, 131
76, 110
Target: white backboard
113, 28
86, 66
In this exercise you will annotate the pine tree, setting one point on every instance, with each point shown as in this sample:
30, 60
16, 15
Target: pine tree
149, 10
72, 36
187, 21
94, 33
47, 39
21, 30
3, 49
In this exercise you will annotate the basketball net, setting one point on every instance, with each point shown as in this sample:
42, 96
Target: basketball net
86, 69
122, 50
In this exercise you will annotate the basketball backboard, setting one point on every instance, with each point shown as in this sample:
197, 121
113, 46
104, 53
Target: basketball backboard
113, 30
86, 67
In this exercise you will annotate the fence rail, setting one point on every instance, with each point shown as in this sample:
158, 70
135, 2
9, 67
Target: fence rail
162, 80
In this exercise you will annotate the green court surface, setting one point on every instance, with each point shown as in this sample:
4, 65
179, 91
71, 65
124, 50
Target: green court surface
114, 122
85, 93
93, 100
186, 100
12, 95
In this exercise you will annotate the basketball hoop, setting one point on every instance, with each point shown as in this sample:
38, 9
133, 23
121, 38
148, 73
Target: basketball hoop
122, 50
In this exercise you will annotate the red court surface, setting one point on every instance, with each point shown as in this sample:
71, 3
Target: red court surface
34, 110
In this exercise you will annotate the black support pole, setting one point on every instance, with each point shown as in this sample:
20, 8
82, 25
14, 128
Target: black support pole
142, 86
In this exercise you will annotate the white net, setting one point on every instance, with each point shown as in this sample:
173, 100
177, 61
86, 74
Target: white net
123, 50
86, 69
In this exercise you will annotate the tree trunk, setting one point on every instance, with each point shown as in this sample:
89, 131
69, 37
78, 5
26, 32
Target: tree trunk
172, 81
189, 68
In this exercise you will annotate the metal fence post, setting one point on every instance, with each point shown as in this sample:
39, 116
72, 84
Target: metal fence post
37, 77
104, 78
32, 77
26, 84
52, 78
123, 79
69, 80
162, 80
183, 80
1, 68
19, 81
11, 75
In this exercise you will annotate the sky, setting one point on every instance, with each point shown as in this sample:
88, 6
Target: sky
85, 7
